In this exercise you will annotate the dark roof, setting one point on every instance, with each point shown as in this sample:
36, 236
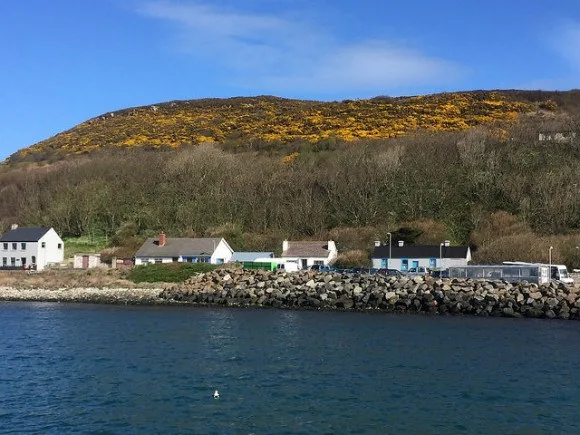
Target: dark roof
24, 235
176, 247
420, 251
307, 249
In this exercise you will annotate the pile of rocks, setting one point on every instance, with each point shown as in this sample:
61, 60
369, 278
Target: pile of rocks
330, 291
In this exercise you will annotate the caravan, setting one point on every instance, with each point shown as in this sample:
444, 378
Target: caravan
558, 272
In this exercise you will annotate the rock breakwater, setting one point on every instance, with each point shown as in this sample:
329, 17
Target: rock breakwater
335, 291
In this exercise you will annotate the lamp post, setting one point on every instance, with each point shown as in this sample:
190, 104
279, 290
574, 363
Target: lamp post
441, 255
550, 260
390, 247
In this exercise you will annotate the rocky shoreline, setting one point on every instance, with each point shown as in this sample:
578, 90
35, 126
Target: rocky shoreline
93, 295
333, 291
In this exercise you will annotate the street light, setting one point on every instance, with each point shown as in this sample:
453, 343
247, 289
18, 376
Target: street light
550, 259
441, 255
390, 249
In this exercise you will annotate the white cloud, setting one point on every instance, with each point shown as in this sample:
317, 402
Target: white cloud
566, 42
290, 52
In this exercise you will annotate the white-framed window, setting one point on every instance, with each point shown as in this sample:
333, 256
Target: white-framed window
158, 260
318, 262
60, 246
4, 261
12, 261
43, 245
23, 246
5, 246
14, 246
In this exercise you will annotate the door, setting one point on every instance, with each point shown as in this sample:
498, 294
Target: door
304, 263
85, 261
415, 265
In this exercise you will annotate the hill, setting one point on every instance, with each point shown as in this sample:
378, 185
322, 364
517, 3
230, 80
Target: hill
497, 186
238, 122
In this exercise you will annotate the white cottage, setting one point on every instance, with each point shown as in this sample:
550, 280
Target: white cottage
309, 253
165, 249
410, 257
35, 248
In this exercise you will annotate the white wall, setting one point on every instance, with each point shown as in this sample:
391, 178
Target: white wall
444, 263
222, 252
310, 261
151, 260
51, 253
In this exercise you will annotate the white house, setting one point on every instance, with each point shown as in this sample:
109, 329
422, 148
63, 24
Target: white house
163, 249
23, 248
404, 257
310, 253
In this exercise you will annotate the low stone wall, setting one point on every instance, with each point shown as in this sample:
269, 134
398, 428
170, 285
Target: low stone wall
332, 291
134, 296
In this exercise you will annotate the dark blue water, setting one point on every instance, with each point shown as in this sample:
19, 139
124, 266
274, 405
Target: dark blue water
67, 369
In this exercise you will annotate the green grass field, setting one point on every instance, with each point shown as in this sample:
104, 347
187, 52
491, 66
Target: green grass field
79, 245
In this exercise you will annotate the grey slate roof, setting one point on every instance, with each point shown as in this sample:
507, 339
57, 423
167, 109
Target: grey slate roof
24, 235
307, 249
176, 247
420, 251
250, 256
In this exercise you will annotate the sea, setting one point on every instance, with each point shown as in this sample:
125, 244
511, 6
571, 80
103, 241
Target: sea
104, 369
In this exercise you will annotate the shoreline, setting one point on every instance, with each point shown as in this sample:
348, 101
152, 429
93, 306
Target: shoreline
120, 296
328, 292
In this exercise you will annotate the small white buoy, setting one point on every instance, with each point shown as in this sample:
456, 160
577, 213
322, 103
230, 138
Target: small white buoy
216, 394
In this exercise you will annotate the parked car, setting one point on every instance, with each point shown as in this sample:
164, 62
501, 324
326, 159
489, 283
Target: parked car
440, 273
389, 272
418, 271
321, 268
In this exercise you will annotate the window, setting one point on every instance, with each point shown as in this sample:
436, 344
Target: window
43, 245
432, 263
158, 261
60, 246
23, 261
14, 246
34, 259
12, 261
5, 246
404, 265
23, 246
4, 261
318, 263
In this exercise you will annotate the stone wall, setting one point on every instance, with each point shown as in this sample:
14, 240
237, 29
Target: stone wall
334, 291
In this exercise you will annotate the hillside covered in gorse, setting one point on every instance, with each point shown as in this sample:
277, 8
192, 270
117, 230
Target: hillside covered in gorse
242, 121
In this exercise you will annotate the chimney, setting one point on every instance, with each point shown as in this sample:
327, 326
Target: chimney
13, 226
331, 246
284, 245
401, 242
162, 239
377, 243
446, 243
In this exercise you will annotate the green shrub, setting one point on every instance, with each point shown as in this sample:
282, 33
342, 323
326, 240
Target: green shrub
170, 272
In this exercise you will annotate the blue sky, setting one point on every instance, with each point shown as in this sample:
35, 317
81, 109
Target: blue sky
65, 61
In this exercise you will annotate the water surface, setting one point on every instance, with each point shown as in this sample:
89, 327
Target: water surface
90, 369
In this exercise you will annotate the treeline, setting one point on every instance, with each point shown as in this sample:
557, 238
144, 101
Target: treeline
475, 186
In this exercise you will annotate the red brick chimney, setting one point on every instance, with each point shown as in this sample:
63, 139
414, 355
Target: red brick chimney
162, 239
